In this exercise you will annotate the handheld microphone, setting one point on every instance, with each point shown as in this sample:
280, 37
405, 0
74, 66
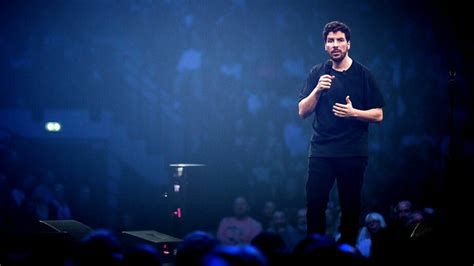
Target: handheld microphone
328, 67
327, 71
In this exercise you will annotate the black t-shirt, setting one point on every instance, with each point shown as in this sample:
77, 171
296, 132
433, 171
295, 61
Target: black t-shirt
336, 136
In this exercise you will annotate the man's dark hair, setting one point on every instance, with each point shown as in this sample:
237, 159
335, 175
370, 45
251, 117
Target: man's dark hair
335, 26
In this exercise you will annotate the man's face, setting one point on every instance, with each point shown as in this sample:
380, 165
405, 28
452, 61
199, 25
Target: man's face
240, 207
279, 219
269, 208
337, 46
403, 209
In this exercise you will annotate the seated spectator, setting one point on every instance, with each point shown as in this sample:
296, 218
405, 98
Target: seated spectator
100, 247
287, 232
142, 254
301, 224
194, 247
273, 248
242, 255
239, 228
373, 223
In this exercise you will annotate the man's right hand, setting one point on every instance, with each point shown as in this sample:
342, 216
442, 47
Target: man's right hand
307, 105
324, 83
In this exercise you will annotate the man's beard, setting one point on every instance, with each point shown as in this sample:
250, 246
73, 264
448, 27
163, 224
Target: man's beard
338, 59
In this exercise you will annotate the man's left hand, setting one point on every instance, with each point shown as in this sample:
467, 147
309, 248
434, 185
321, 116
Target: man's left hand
343, 110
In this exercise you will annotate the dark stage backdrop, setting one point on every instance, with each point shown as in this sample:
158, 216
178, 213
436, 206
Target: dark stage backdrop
216, 82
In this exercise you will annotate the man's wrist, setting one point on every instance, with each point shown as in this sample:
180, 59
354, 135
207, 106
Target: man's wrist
317, 91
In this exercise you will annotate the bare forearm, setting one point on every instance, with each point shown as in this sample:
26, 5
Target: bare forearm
307, 105
371, 115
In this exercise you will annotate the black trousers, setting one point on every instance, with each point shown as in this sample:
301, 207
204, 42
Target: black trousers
349, 173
